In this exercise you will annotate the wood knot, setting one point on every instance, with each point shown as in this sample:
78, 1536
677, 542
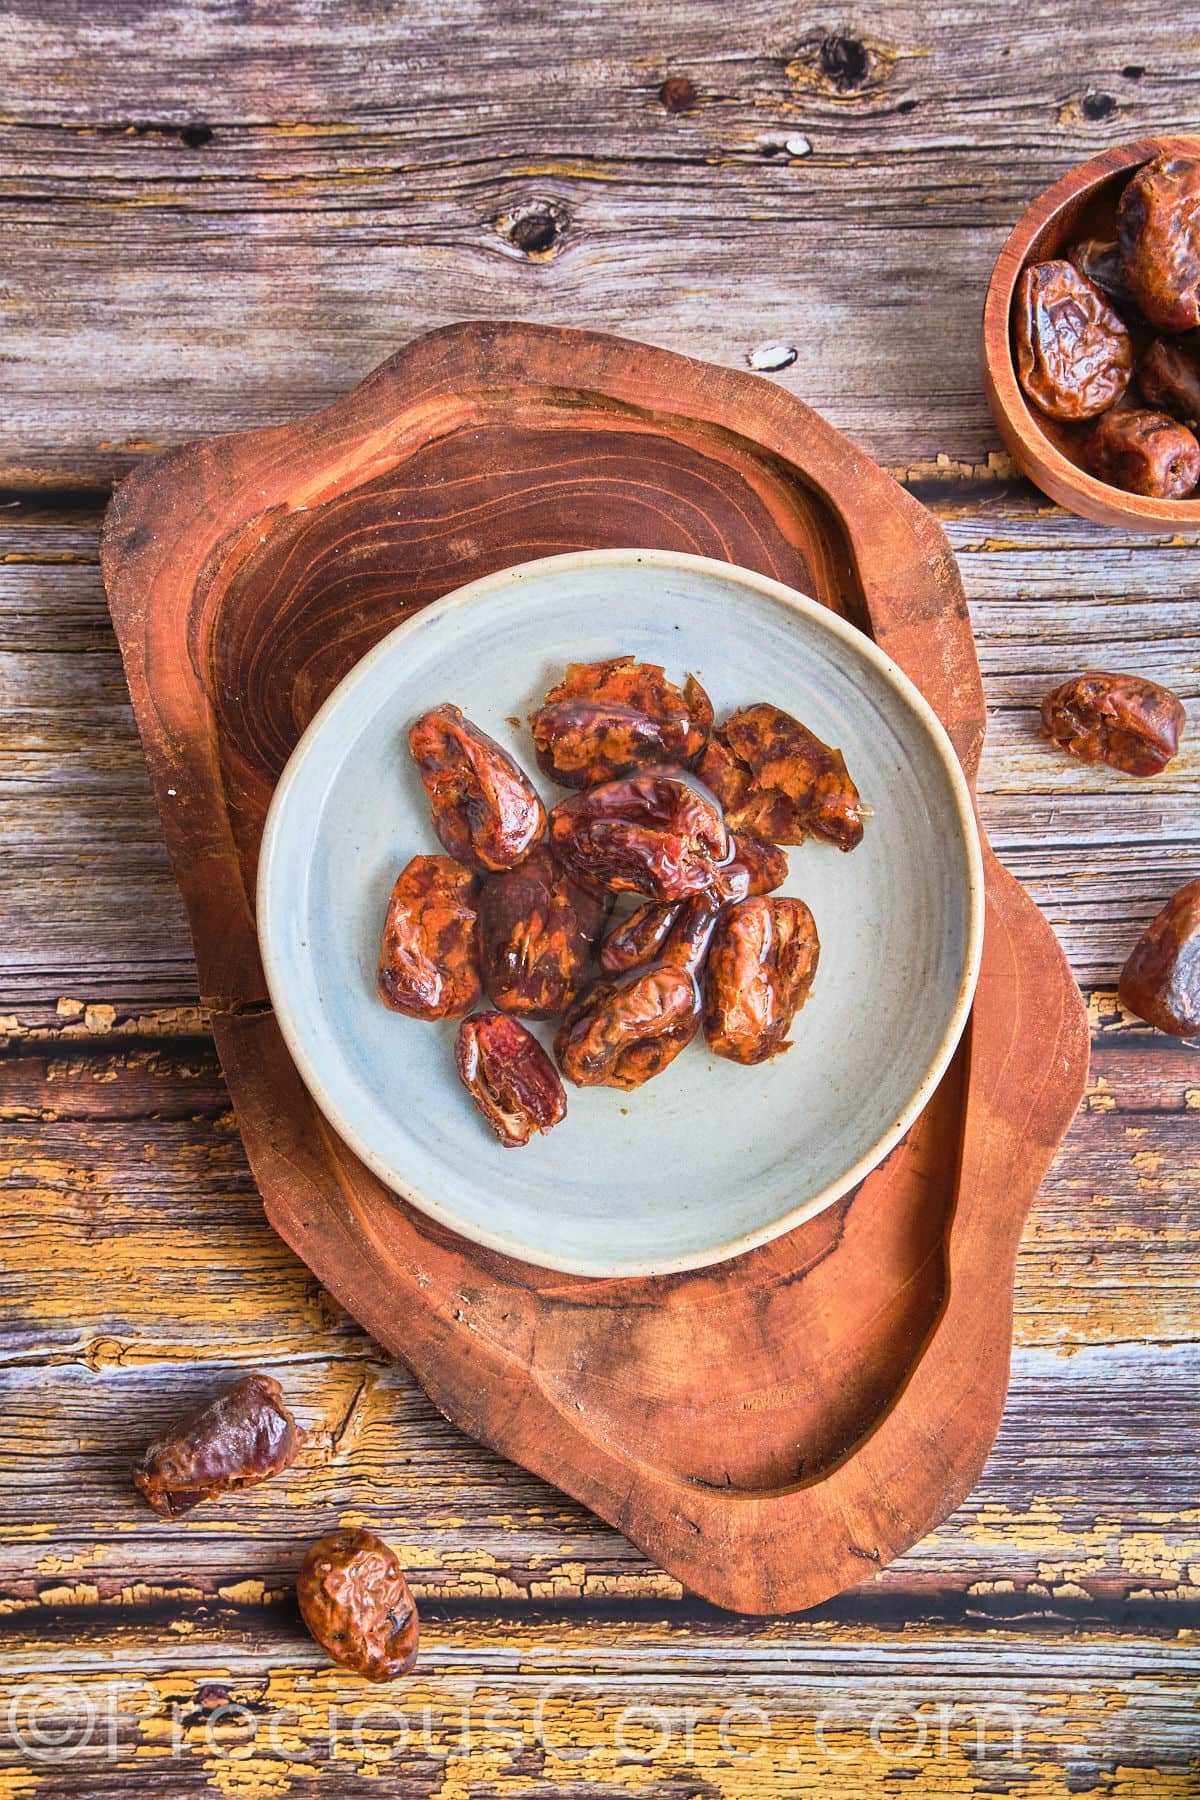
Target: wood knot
840, 66
535, 229
845, 61
1097, 106
677, 94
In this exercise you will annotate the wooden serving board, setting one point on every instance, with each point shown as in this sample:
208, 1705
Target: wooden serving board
772, 1429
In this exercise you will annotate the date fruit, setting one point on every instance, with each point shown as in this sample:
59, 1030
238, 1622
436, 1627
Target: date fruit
1144, 453
486, 811
755, 867
429, 961
778, 781
1122, 720
652, 834
760, 968
606, 720
1169, 378
1158, 229
538, 932
1074, 355
625, 1030
509, 1077
1161, 980
356, 1602
244, 1436
1100, 262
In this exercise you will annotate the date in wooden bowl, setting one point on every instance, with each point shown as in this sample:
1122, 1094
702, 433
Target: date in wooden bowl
1082, 205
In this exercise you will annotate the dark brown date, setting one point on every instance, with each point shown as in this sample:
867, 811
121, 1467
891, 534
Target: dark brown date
1144, 453
623, 1031
651, 834
509, 1076
756, 867
485, 809
1074, 355
1122, 720
538, 932
1099, 261
429, 962
356, 1602
1158, 229
1161, 980
778, 781
760, 968
1169, 378
606, 720
244, 1436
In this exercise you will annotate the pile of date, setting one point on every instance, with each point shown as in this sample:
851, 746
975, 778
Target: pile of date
680, 817
1076, 323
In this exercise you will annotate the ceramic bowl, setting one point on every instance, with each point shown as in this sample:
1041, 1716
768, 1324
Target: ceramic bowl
1083, 204
710, 1158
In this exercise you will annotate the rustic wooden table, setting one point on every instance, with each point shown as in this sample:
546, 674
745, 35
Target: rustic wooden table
220, 216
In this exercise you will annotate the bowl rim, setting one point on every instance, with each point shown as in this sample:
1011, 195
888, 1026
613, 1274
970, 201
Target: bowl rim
485, 588
1019, 424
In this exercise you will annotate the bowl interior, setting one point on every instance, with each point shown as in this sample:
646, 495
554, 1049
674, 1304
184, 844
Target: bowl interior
710, 1158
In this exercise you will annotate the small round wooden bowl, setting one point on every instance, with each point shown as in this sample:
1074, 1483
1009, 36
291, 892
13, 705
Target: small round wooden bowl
1083, 204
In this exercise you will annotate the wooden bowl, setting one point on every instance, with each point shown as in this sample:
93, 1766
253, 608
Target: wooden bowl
1083, 204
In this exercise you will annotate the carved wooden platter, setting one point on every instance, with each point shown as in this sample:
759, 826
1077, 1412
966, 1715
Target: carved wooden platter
769, 1429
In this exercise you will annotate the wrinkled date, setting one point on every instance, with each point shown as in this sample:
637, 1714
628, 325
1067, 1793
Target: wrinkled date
1100, 262
429, 961
650, 834
509, 1076
1161, 980
244, 1436
754, 868
1169, 377
356, 1602
1144, 453
1074, 355
605, 720
760, 968
623, 1031
779, 782
1158, 229
1123, 720
485, 809
538, 931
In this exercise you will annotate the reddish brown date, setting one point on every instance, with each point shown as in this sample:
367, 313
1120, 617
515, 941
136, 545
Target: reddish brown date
754, 868
1074, 355
1161, 980
1169, 377
1122, 720
244, 1436
356, 1602
778, 781
509, 1076
1099, 260
538, 931
760, 968
1144, 453
1158, 229
485, 809
606, 720
429, 961
653, 834
623, 1031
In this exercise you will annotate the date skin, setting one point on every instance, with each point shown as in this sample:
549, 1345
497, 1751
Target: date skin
486, 811
429, 959
755, 868
627, 1028
1144, 453
778, 781
538, 932
356, 1602
606, 720
1122, 720
760, 968
1074, 355
510, 1078
1099, 261
1169, 378
1161, 980
654, 835
244, 1436
1158, 229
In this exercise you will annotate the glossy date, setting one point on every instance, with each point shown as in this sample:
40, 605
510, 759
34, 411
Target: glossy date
356, 1602
429, 959
626, 1029
778, 781
486, 811
1158, 229
1161, 980
538, 932
1074, 355
654, 834
760, 968
1169, 378
1123, 720
510, 1078
606, 720
244, 1436
1144, 453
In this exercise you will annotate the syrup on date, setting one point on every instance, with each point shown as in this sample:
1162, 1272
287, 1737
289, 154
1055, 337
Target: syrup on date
244, 1436
761, 965
512, 1081
1158, 229
1161, 980
1122, 720
538, 932
653, 834
778, 781
1144, 453
1169, 378
627, 1028
1074, 355
429, 960
485, 809
606, 720
357, 1604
